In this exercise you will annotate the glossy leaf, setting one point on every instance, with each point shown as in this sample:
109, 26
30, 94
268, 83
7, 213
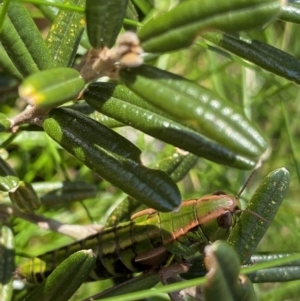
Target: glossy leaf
60, 193
223, 280
130, 110
8, 177
23, 42
51, 88
64, 35
65, 279
104, 20
25, 197
196, 106
123, 211
287, 272
103, 92
89, 111
290, 12
50, 12
113, 157
264, 55
265, 202
179, 27
7, 264
178, 164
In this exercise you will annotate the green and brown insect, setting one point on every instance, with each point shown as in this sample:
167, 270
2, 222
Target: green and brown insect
161, 243
151, 239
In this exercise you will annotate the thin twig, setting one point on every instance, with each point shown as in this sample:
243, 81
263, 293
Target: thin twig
75, 231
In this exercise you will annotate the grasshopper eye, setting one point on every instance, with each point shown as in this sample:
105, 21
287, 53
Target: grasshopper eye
225, 220
219, 192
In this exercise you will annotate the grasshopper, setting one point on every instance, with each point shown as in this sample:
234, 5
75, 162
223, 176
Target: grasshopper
149, 240
153, 241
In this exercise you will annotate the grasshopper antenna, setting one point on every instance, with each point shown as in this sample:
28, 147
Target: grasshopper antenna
243, 188
246, 183
253, 213
257, 166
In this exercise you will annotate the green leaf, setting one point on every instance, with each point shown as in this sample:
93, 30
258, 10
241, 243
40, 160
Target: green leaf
64, 35
65, 279
250, 228
51, 88
50, 12
113, 157
223, 281
121, 104
7, 263
25, 197
290, 12
131, 14
104, 20
264, 55
59, 193
23, 41
179, 27
7, 65
8, 177
178, 164
123, 211
197, 107
89, 111
287, 272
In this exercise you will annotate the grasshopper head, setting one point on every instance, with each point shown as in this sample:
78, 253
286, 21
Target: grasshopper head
217, 215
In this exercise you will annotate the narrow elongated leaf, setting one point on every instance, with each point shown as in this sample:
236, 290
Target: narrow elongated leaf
268, 257
287, 272
180, 26
104, 20
7, 65
223, 280
7, 264
8, 177
113, 157
23, 41
277, 274
89, 111
265, 202
130, 110
124, 211
64, 35
59, 193
290, 13
178, 165
50, 88
65, 279
50, 12
25, 197
196, 106
259, 53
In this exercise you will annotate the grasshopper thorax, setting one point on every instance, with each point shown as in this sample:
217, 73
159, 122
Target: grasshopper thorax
217, 215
